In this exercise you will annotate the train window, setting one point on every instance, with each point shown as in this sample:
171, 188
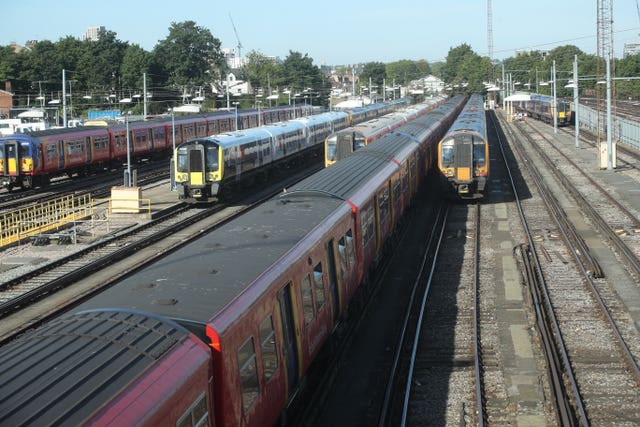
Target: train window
211, 156
396, 190
75, 147
248, 373
383, 203
331, 147
181, 164
307, 299
51, 151
342, 255
318, 281
197, 415
447, 156
404, 178
351, 250
367, 225
268, 345
479, 159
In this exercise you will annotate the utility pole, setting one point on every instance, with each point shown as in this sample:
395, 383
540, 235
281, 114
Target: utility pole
605, 53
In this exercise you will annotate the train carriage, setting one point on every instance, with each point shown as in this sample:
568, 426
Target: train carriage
87, 368
463, 153
264, 292
31, 159
344, 142
540, 107
23, 164
207, 168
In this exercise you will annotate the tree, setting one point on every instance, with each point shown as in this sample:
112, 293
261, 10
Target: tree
374, 71
135, 62
628, 67
466, 70
190, 55
262, 71
299, 73
100, 63
402, 72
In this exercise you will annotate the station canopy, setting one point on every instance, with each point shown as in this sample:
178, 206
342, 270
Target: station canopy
518, 97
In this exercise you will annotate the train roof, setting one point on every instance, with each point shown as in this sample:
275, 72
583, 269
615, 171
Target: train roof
197, 281
90, 357
472, 118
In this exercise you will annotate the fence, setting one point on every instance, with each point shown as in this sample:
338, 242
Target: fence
625, 131
44, 217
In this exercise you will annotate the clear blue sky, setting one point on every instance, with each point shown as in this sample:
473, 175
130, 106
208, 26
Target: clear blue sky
329, 31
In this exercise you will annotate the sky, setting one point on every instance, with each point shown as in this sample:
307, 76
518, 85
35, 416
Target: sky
333, 32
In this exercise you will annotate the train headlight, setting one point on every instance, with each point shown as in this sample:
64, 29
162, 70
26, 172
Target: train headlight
449, 172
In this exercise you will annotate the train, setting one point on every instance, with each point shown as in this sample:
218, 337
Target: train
540, 107
215, 167
223, 331
32, 159
463, 153
344, 142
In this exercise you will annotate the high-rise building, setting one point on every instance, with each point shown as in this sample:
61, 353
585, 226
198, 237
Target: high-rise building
631, 48
93, 33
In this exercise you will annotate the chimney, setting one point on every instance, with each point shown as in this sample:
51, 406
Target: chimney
7, 86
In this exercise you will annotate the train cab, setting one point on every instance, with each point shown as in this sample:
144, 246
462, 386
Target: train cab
197, 166
463, 153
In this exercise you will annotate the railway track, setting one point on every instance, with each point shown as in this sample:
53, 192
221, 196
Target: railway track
618, 223
103, 259
592, 346
99, 186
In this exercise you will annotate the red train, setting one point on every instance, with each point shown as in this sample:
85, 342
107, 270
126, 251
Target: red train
31, 160
223, 331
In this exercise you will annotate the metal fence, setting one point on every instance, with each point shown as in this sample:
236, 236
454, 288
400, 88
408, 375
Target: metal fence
44, 217
625, 131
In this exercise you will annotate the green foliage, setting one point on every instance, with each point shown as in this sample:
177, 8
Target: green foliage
403, 71
263, 71
299, 73
374, 72
189, 55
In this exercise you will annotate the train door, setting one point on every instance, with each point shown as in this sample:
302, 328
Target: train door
87, 143
60, 154
10, 152
289, 343
196, 165
333, 280
464, 158
151, 140
345, 144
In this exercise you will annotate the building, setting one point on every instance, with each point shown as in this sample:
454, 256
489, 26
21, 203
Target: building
93, 33
233, 60
630, 49
6, 103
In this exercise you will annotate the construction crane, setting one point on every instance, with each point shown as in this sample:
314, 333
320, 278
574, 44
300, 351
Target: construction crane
239, 42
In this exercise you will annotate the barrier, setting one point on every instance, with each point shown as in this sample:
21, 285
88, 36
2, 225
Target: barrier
44, 217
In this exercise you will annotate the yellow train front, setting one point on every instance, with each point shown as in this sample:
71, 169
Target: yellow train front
463, 153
